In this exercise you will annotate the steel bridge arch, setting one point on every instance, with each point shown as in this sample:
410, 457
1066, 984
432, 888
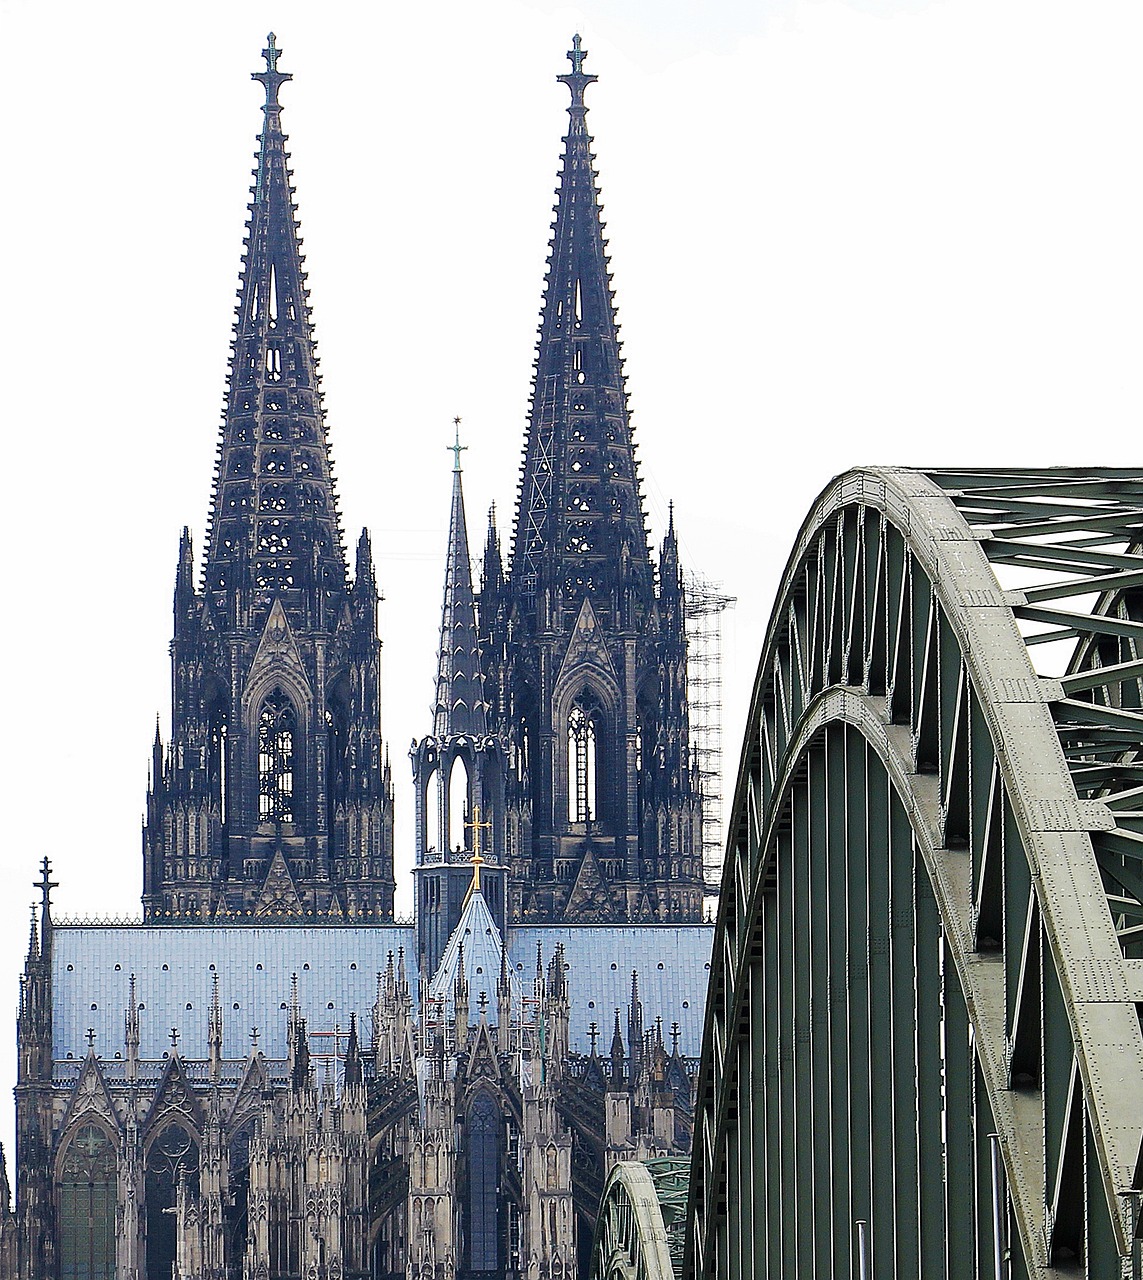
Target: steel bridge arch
922, 1052
636, 1234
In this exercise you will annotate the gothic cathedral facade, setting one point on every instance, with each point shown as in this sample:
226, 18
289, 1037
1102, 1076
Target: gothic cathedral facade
271, 1078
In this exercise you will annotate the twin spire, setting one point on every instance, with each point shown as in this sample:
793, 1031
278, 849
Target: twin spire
274, 529
579, 523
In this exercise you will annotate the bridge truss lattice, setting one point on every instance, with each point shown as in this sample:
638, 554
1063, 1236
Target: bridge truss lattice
923, 1052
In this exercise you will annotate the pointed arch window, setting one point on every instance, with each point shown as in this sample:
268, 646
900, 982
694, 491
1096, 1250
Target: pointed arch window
277, 750
485, 1131
173, 1158
87, 1207
583, 758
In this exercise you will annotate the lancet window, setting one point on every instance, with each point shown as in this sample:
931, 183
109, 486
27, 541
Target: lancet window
87, 1207
277, 750
485, 1140
583, 759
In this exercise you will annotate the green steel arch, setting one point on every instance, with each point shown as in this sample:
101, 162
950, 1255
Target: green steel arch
922, 1053
638, 1232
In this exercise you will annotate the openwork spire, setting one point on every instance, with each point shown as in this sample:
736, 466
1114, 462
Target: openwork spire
460, 706
274, 526
579, 526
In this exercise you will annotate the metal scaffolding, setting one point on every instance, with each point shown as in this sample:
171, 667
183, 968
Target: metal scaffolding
705, 604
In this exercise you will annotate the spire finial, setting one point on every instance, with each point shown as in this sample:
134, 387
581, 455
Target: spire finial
456, 448
272, 78
46, 884
577, 80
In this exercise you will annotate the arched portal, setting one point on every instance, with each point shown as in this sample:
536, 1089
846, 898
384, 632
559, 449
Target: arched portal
87, 1205
922, 1052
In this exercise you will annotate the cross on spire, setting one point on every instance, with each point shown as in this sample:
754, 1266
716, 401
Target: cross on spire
45, 883
91, 1037
577, 79
253, 1039
174, 1034
271, 78
456, 448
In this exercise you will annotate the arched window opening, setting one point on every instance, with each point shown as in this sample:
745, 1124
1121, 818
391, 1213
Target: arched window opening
218, 762
459, 834
339, 755
277, 735
485, 1145
87, 1207
173, 1158
583, 760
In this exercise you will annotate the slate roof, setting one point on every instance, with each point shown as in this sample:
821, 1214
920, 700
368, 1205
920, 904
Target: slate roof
337, 966
174, 968
673, 962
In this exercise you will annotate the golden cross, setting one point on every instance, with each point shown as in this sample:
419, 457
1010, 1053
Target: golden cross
476, 827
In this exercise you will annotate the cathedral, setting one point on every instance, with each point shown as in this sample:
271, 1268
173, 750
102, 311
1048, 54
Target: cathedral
270, 1077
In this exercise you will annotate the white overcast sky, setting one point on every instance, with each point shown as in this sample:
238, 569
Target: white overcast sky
876, 231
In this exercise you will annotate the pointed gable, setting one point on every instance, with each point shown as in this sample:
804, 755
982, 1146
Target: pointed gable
248, 1099
174, 1098
590, 898
278, 651
483, 1062
279, 896
587, 646
91, 1096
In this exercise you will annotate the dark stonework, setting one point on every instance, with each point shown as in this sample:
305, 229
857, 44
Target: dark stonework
585, 653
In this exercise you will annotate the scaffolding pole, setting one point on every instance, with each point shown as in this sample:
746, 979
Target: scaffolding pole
705, 605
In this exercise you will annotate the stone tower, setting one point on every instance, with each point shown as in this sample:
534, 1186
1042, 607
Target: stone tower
459, 770
273, 797
584, 648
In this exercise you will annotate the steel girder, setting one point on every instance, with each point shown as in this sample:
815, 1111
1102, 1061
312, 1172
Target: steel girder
922, 1050
640, 1205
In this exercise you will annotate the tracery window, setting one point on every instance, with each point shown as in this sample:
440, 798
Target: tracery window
172, 1158
583, 759
485, 1138
277, 737
87, 1207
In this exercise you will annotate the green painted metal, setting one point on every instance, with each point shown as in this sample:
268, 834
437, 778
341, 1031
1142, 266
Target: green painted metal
932, 906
